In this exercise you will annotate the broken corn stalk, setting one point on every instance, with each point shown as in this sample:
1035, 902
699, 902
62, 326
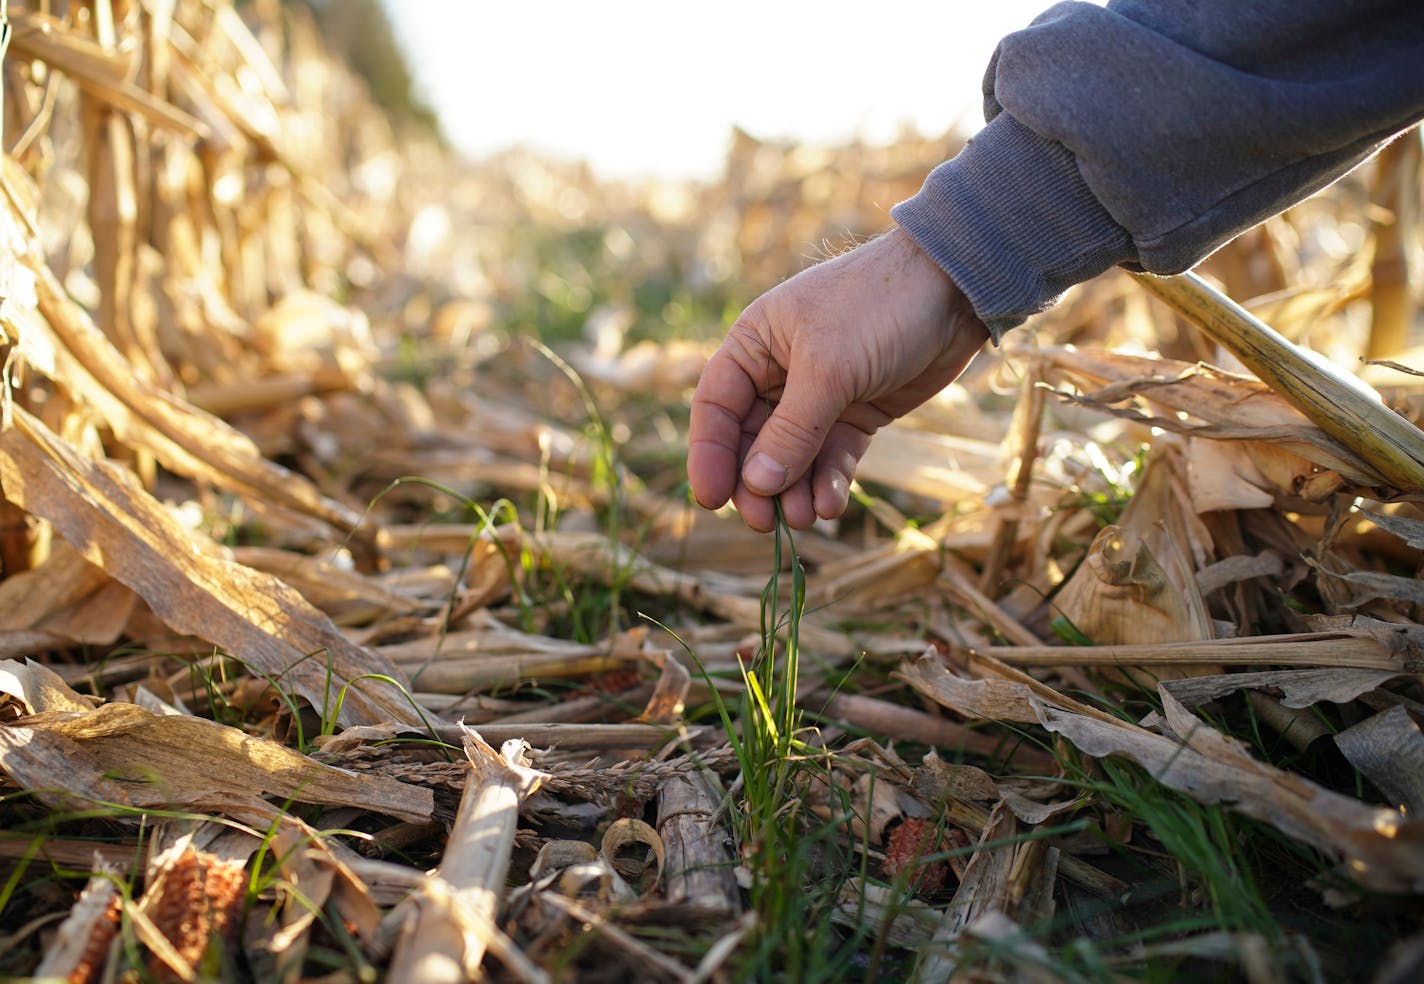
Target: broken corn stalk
1334, 400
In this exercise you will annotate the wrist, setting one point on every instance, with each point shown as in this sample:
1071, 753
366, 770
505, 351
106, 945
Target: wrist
930, 280
1012, 222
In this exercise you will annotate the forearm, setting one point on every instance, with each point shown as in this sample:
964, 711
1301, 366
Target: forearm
1148, 134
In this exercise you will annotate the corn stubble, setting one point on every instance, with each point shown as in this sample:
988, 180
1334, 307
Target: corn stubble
1112, 671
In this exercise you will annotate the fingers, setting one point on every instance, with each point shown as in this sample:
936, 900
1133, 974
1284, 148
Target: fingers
731, 430
722, 405
759, 511
793, 436
796, 505
835, 468
720, 444
822, 493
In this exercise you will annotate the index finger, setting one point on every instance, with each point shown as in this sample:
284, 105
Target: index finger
721, 405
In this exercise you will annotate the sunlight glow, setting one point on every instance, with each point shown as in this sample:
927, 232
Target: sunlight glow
641, 88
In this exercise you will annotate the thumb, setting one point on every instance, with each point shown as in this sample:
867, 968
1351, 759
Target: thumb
792, 436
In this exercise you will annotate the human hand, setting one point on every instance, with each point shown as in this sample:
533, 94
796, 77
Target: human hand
813, 368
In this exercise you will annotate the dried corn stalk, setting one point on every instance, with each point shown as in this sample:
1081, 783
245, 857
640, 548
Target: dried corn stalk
449, 921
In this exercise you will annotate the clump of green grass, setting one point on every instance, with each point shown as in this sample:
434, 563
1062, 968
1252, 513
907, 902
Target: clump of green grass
1205, 842
594, 613
797, 860
1205, 895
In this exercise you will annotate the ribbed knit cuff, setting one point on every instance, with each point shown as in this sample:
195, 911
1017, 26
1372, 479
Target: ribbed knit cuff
1012, 222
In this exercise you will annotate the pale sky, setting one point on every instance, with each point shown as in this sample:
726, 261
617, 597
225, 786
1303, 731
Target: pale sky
642, 88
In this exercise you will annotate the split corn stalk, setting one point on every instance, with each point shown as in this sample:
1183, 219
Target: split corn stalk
1335, 401
452, 919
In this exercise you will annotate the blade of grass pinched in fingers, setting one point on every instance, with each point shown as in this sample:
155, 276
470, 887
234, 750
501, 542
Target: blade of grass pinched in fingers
1333, 400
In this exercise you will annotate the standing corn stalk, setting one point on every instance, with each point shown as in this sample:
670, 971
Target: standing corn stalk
1396, 193
4, 45
110, 162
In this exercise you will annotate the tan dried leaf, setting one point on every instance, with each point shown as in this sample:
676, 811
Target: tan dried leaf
1299, 688
984, 700
949, 469
1226, 406
67, 597
1120, 594
122, 753
1381, 848
100, 509
1389, 749
39, 689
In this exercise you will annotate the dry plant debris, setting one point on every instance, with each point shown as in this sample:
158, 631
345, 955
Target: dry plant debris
330, 464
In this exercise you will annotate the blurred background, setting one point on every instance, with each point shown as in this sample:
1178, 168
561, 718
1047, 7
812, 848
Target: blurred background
639, 88
620, 179
644, 169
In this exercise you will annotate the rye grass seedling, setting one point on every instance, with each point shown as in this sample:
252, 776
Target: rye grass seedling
796, 862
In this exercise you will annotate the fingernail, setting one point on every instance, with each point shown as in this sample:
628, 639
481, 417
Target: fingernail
839, 498
763, 475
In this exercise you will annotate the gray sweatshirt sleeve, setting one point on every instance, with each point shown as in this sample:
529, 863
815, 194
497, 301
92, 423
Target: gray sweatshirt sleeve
1150, 132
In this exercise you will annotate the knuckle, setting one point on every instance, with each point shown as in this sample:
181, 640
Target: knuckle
795, 435
746, 343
